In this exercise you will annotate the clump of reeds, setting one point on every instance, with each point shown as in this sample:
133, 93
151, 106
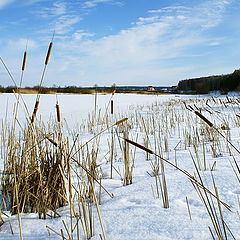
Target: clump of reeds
35, 166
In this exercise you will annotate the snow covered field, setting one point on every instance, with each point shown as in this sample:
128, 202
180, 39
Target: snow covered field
168, 126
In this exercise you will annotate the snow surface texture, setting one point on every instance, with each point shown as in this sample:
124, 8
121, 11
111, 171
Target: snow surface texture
136, 212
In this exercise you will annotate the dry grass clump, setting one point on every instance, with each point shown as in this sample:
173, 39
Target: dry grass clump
34, 173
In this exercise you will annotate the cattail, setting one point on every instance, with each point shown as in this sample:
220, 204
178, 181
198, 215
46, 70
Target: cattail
111, 106
58, 112
203, 118
121, 121
139, 146
35, 111
52, 141
24, 61
48, 53
188, 107
228, 99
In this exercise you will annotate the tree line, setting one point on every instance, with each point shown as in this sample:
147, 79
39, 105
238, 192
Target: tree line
223, 83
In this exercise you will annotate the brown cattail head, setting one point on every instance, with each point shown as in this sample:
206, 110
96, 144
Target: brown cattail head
121, 121
48, 53
139, 146
111, 106
35, 111
52, 141
24, 61
203, 118
58, 112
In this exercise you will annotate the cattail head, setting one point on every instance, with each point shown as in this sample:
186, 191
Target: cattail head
121, 121
24, 61
35, 111
58, 112
210, 124
48, 53
52, 141
111, 106
139, 146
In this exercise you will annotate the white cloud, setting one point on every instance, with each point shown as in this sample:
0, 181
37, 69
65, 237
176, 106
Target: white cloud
80, 34
57, 9
146, 53
63, 18
145, 50
178, 9
94, 3
21, 44
4, 3
30, 2
64, 24
144, 20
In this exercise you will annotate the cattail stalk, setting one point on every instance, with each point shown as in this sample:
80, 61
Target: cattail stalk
191, 177
35, 111
58, 112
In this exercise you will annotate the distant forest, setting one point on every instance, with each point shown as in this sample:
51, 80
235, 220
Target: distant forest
202, 85
86, 90
223, 83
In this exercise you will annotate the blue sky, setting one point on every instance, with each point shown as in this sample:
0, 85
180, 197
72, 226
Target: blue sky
122, 42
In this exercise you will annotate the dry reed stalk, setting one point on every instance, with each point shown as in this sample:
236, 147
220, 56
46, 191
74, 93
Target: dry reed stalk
40, 181
17, 204
219, 225
112, 147
41, 80
97, 135
20, 85
14, 82
164, 188
212, 126
59, 234
99, 213
175, 152
188, 207
127, 177
186, 173
112, 144
1, 219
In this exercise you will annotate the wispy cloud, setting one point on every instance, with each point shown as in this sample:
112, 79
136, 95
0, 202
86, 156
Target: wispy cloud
148, 52
61, 16
94, 3
64, 24
4, 3
178, 9
21, 44
81, 34
57, 9
30, 2
148, 45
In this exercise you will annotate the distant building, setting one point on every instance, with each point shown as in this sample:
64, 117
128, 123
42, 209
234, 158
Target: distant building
151, 89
